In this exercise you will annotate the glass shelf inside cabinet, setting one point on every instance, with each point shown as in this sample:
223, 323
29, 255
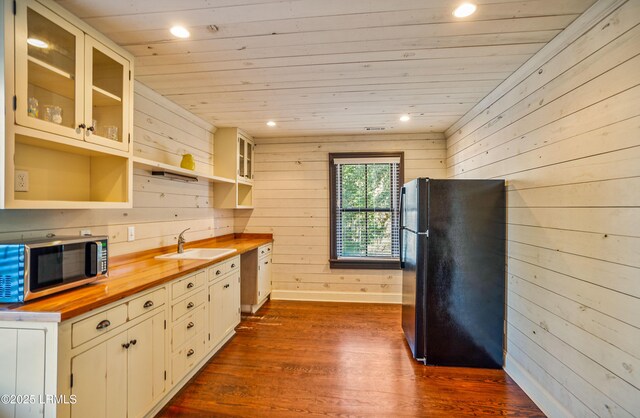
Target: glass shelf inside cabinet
51, 71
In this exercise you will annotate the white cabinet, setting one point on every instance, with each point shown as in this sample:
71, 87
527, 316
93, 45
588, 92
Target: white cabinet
122, 376
69, 113
224, 301
256, 278
234, 153
67, 82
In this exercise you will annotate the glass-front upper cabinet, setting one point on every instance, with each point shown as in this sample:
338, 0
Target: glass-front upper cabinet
49, 71
68, 83
245, 158
106, 99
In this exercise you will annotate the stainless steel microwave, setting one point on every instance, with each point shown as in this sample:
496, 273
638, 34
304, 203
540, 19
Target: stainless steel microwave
34, 268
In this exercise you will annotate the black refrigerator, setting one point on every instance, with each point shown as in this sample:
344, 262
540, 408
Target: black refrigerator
452, 252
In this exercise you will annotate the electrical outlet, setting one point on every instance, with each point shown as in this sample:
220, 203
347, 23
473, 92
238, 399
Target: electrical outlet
131, 233
21, 181
85, 232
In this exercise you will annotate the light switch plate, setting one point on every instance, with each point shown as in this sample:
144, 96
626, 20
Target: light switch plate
131, 233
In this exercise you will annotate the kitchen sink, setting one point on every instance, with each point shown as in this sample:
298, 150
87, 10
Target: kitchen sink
199, 254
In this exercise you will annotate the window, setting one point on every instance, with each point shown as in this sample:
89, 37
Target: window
365, 196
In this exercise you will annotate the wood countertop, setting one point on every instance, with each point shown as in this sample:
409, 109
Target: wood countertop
128, 275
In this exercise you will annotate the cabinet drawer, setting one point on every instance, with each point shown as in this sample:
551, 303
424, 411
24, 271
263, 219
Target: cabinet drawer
98, 324
187, 356
264, 250
188, 327
146, 303
187, 305
220, 269
184, 286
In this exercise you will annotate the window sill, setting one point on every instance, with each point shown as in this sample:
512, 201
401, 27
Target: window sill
354, 263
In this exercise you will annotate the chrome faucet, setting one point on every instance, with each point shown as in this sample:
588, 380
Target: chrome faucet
182, 241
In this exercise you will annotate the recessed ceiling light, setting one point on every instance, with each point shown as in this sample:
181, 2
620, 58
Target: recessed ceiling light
179, 32
271, 123
405, 118
464, 10
38, 43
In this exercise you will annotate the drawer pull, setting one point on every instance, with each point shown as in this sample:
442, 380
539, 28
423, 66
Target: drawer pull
190, 325
262, 252
190, 352
190, 305
218, 272
266, 262
226, 286
133, 342
125, 346
103, 324
190, 285
148, 304
268, 249
233, 265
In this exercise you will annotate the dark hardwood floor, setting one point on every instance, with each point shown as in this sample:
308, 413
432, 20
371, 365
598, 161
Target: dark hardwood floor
337, 359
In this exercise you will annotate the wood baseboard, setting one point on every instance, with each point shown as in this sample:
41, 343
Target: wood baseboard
538, 394
358, 297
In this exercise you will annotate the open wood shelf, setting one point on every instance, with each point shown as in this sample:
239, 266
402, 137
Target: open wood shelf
155, 166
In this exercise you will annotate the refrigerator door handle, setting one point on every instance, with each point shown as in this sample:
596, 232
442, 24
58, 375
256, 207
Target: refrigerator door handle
402, 192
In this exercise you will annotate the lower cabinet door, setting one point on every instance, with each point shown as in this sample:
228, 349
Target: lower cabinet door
264, 278
100, 380
216, 312
145, 375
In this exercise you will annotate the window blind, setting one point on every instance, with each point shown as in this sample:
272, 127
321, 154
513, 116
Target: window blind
367, 208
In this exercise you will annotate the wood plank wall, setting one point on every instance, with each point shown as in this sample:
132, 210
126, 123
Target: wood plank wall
162, 208
292, 202
566, 137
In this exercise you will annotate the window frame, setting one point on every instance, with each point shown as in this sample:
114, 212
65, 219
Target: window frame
356, 263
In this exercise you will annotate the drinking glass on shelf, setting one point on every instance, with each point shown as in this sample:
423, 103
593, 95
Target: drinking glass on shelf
111, 132
53, 114
32, 109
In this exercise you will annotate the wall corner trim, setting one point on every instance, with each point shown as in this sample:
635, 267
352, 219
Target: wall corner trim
538, 394
584, 22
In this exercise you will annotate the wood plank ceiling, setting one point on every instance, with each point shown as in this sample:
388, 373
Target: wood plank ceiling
320, 67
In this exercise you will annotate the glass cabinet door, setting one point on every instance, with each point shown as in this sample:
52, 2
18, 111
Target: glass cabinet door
242, 152
106, 96
250, 165
49, 71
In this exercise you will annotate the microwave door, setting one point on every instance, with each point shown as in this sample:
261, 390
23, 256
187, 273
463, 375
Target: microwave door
45, 267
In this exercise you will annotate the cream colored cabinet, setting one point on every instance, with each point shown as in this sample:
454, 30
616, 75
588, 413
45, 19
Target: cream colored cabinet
122, 376
67, 82
224, 303
256, 278
234, 152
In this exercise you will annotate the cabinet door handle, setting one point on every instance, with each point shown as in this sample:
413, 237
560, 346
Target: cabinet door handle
190, 352
190, 305
82, 126
226, 286
148, 304
218, 272
91, 129
133, 342
125, 346
103, 324
190, 285
190, 325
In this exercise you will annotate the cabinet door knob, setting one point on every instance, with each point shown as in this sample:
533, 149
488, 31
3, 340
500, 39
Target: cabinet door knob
190, 305
148, 304
226, 286
190, 325
91, 129
190, 352
103, 324
190, 285
125, 346
133, 342
82, 126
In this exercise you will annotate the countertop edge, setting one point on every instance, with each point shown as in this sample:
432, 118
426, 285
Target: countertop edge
26, 312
